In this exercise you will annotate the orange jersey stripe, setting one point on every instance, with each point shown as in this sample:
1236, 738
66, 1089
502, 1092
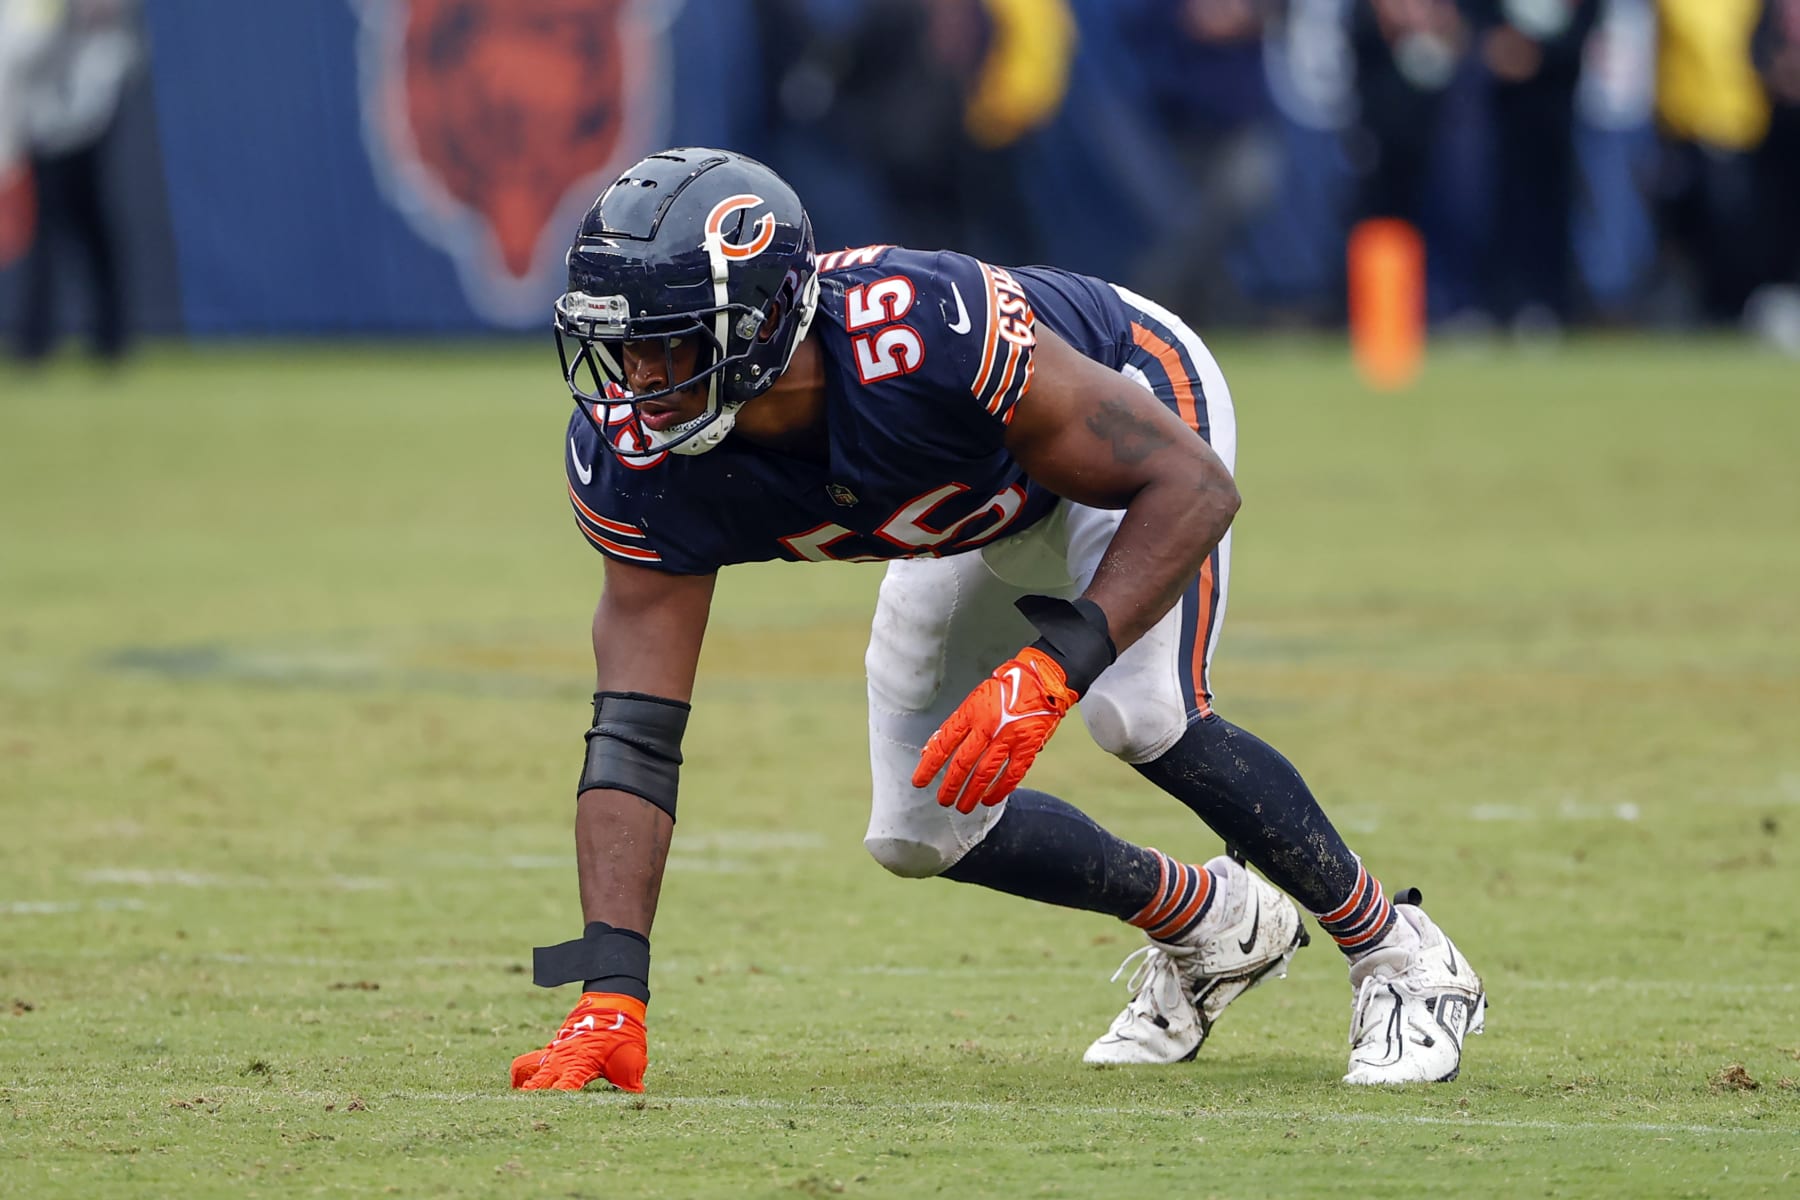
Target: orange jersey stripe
1178, 376
1013, 355
993, 333
609, 525
631, 552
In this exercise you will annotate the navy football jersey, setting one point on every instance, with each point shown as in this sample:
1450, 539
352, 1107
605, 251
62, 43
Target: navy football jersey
926, 355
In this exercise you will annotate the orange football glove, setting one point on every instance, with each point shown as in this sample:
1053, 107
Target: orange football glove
604, 1036
993, 736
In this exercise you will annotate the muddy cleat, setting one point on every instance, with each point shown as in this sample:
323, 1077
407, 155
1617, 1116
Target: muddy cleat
1415, 1003
1180, 989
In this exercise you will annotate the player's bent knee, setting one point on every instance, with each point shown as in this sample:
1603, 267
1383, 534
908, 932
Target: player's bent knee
1123, 725
909, 858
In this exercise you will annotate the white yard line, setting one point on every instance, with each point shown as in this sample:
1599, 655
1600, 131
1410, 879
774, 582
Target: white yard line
174, 877
1062, 970
47, 908
984, 1108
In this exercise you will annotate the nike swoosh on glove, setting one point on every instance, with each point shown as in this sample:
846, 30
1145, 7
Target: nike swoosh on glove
603, 1037
993, 736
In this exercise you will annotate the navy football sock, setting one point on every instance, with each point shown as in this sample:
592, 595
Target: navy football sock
1254, 798
1044, 849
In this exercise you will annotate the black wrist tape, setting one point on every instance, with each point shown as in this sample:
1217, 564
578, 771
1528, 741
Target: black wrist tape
603, 958
635, 746
1075, 634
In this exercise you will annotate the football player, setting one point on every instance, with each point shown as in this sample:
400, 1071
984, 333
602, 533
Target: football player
1044, 461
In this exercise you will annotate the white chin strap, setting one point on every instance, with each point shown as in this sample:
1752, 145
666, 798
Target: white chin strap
713, 425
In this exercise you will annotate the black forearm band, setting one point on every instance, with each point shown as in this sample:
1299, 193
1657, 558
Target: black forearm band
603, 958
1075, 635
635, 746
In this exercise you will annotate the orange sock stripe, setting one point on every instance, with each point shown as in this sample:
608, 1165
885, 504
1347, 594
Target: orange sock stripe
1348, 906
1371, 914
1181, 920
1383, 912
1181, 883
1156, 898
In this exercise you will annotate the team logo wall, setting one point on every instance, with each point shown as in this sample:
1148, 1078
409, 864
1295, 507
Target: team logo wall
492, 124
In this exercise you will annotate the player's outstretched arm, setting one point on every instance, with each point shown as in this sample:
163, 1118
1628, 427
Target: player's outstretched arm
1097, 438
647, 633
648, 628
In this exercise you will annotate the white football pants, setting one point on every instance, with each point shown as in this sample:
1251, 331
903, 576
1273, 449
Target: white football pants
943, 624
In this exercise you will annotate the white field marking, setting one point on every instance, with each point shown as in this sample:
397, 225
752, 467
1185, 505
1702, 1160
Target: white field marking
675, 862
46, 908
752, 841
989, 1108
145, 877
1646, 985
708, 866
1785, 792
1567, 810
1073, 973
148, 877
690, 846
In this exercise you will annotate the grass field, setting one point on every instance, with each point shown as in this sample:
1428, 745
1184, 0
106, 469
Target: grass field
294, 669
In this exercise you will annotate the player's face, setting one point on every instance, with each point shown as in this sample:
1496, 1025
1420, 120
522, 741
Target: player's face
648, 368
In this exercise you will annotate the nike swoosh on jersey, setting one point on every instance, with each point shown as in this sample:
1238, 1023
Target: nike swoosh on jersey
585, 474
961, 324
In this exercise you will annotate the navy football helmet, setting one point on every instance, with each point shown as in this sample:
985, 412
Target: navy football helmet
688, 244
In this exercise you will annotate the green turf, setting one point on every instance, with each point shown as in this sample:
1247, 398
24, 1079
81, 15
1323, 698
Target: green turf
293, 670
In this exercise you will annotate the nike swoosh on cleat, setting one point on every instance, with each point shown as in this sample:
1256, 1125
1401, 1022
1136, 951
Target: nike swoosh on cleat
961, 324
585, 474
1255, 921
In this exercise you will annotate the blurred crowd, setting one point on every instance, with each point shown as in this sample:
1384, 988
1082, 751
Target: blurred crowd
1568, 160
64, 67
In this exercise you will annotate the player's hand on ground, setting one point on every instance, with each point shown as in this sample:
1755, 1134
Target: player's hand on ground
602, 1039
993, 736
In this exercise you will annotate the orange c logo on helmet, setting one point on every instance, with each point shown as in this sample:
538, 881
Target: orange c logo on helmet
765, 226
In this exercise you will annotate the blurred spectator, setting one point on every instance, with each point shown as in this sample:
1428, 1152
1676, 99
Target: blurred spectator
1202, 64
1778, 60
1291, 260
70, 60
928, 99
1615, 150
1532, 52
1407, 55
1774, 309
1714, 114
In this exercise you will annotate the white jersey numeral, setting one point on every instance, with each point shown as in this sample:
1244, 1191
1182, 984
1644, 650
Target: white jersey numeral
896, 350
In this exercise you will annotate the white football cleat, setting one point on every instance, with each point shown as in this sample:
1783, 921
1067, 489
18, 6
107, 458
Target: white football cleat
1180, 989
1415, 1003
